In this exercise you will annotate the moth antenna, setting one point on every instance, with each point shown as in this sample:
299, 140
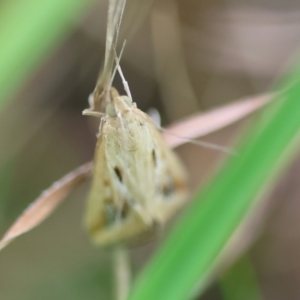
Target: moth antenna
90, 112
196, 142
124, 81
113, 73
117, 59
201, 143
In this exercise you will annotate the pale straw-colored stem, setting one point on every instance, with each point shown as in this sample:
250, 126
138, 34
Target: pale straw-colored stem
122, 272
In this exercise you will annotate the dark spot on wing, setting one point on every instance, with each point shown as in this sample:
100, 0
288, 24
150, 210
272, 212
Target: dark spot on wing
125, 210
118, 173
168, 188
154, 157
115, 214
110, 214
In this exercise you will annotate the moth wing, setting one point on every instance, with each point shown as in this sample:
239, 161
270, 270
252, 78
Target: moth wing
138, 181
158, 179
101, 218
170, 185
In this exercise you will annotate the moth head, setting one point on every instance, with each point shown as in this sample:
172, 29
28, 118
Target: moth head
111, 110
119, 104
127, 100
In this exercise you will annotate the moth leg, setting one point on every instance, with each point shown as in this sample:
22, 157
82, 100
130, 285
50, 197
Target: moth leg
100, 127
90, 112
91, 102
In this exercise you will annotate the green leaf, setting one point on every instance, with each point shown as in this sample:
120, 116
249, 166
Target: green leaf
29, 30
239, 282
186, 257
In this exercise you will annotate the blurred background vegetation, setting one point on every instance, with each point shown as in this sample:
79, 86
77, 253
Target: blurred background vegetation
181, 57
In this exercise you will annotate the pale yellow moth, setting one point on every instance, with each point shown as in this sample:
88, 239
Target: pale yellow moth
138, 181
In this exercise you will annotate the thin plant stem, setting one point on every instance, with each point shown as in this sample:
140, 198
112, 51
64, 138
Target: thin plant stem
122, 272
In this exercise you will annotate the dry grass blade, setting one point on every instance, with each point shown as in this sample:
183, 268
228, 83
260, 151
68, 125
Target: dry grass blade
203, 124
114, 18
40, 209
194, 127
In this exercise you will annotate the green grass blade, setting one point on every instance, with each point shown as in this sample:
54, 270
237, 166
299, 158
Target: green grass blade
29, 29
239, 282
192, 247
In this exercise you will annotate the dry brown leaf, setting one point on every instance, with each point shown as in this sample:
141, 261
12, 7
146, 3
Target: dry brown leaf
43, 206
193, 127
211, 121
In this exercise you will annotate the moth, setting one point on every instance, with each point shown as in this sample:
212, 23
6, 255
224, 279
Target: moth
138, 181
